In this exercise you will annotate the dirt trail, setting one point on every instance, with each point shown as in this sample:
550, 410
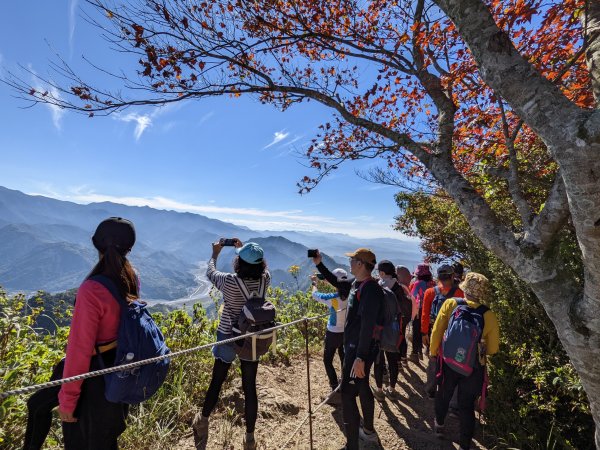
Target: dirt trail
405, 423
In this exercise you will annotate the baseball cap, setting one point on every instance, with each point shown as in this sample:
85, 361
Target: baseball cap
251, 252
116, 232
387, 267
445, 269
340, 273
363, 254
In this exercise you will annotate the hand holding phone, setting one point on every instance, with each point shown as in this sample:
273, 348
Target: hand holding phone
227, 242
313, 253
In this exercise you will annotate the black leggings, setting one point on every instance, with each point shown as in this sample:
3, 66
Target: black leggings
219, 374
392, 359
333, 342
99, 422
417, 337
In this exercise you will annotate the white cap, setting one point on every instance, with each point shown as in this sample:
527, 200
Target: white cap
340, 273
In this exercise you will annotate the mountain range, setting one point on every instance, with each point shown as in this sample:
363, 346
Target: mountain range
45, 245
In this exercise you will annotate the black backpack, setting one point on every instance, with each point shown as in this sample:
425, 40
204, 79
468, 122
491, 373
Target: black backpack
391, 334
256, 315
404, 301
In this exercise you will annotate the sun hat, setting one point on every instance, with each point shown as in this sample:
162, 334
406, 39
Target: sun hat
422, 270
116, 232
476, 286
364, 255
251, 252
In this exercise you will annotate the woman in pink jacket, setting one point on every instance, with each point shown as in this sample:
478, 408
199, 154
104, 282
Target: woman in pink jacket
90, 422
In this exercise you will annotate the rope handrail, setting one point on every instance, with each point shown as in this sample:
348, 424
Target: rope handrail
83, 376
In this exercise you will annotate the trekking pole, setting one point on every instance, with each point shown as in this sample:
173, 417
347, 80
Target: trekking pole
310, 424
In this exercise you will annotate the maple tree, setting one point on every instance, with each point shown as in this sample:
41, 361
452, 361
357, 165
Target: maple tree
441, 90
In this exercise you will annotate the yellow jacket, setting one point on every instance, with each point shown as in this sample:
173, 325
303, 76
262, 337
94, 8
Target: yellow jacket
491, 331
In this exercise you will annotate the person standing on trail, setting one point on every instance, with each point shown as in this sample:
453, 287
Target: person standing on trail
403, 308
404, 277
464, 333
433, 300
89, 421
337, 303
424, 280
250, 269
363, 322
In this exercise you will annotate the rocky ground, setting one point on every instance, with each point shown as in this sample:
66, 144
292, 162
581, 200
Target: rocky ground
405, 423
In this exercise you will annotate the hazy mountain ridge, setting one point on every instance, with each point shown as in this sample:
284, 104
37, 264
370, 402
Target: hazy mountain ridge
45, 244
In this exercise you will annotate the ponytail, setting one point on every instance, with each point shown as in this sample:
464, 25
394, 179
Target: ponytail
118, 268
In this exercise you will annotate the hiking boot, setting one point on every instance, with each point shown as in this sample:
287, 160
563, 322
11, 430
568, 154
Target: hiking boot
438, 429
368, 436
250, 444
378, 394
392, 393
200, 428
404, 362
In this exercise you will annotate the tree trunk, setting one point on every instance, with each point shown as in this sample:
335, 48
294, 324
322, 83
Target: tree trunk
581, 346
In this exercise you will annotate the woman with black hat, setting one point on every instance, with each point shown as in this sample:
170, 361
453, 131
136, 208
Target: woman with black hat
90, 422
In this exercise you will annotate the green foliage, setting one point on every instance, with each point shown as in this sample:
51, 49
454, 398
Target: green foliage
536, 398
27, 355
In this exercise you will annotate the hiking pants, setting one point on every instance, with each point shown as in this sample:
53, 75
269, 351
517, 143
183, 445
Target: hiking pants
99, 422
351, 388
469, 388
392, 360
333, 342
219, 374
417, 338
404, 344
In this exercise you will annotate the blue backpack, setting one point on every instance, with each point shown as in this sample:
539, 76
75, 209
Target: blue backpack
139, 338
438, 301
461, 340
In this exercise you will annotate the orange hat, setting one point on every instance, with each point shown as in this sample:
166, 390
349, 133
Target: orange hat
363, 254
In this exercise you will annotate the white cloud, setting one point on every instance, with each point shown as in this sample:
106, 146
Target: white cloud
72, 22
205, 117
277, 138
142, 122
255, 218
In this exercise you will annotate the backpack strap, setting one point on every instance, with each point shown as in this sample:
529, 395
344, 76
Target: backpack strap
360, 287
451, 292
111, 287
244, 288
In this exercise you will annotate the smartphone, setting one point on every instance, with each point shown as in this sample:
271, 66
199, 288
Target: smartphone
312, 253
227, 242
320, 276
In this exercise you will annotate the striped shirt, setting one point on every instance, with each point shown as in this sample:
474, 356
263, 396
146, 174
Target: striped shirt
233, 299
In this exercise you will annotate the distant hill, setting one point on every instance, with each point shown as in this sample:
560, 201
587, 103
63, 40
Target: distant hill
45, 244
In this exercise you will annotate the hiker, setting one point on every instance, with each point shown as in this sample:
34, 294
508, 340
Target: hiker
459, 271
400, 308
89, 421
461, 358
364, 319
423, 281
404, 277
250, 269
433, 300
337, 303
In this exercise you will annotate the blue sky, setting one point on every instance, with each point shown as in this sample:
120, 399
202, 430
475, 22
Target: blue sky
231, 159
